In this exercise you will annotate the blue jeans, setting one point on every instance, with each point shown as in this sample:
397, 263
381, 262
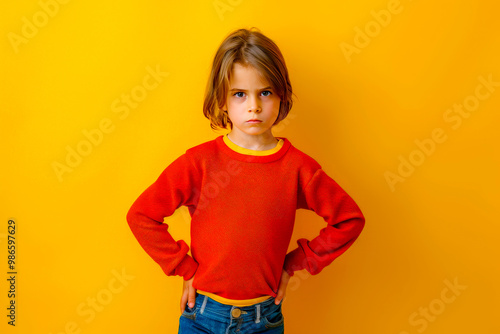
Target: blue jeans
209, 316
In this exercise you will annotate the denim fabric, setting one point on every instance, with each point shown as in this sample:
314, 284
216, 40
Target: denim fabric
209, 316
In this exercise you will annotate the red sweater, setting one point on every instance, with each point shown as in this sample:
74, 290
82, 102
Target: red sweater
242, 210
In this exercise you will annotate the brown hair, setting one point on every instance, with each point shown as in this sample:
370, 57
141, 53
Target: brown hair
246, 47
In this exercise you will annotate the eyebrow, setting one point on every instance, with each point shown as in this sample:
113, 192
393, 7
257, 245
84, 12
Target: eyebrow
244, 90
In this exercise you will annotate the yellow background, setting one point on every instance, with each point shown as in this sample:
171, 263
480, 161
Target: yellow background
355, 115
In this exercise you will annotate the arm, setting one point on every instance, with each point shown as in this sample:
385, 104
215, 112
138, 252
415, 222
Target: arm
172, 189
345, 222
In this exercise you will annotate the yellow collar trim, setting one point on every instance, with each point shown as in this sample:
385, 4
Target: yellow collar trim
248, 151
235, 302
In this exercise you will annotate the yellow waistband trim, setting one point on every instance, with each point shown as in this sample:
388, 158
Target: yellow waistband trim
234, 302
248, 151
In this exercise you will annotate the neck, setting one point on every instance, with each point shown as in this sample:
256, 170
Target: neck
260, 142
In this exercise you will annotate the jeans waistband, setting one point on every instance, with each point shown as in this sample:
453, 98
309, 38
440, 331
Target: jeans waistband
222, 311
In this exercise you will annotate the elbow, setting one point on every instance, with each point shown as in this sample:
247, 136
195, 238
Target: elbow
360, 223
355, 226
131, 216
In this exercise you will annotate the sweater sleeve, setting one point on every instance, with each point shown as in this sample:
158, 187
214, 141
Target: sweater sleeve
344, 224
173, 188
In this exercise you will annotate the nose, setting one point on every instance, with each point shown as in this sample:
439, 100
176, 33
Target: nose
253, 103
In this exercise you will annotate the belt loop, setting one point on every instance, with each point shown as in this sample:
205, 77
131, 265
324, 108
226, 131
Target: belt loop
257, 312
204, 304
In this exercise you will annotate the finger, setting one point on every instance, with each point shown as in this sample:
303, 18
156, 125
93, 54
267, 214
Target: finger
191, 296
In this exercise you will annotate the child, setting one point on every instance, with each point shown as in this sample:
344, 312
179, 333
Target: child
242, 190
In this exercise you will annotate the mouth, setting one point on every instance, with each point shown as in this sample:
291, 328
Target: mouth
254, 121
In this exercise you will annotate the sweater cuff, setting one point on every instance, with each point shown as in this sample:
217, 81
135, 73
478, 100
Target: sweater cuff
294, 261
186, 268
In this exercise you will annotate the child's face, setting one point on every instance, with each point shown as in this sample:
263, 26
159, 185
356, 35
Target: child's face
251, 97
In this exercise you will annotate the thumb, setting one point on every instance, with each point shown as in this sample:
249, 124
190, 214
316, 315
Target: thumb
280, 296
285, 277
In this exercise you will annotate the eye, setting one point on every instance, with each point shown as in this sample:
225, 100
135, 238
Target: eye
266, 91
237, 94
